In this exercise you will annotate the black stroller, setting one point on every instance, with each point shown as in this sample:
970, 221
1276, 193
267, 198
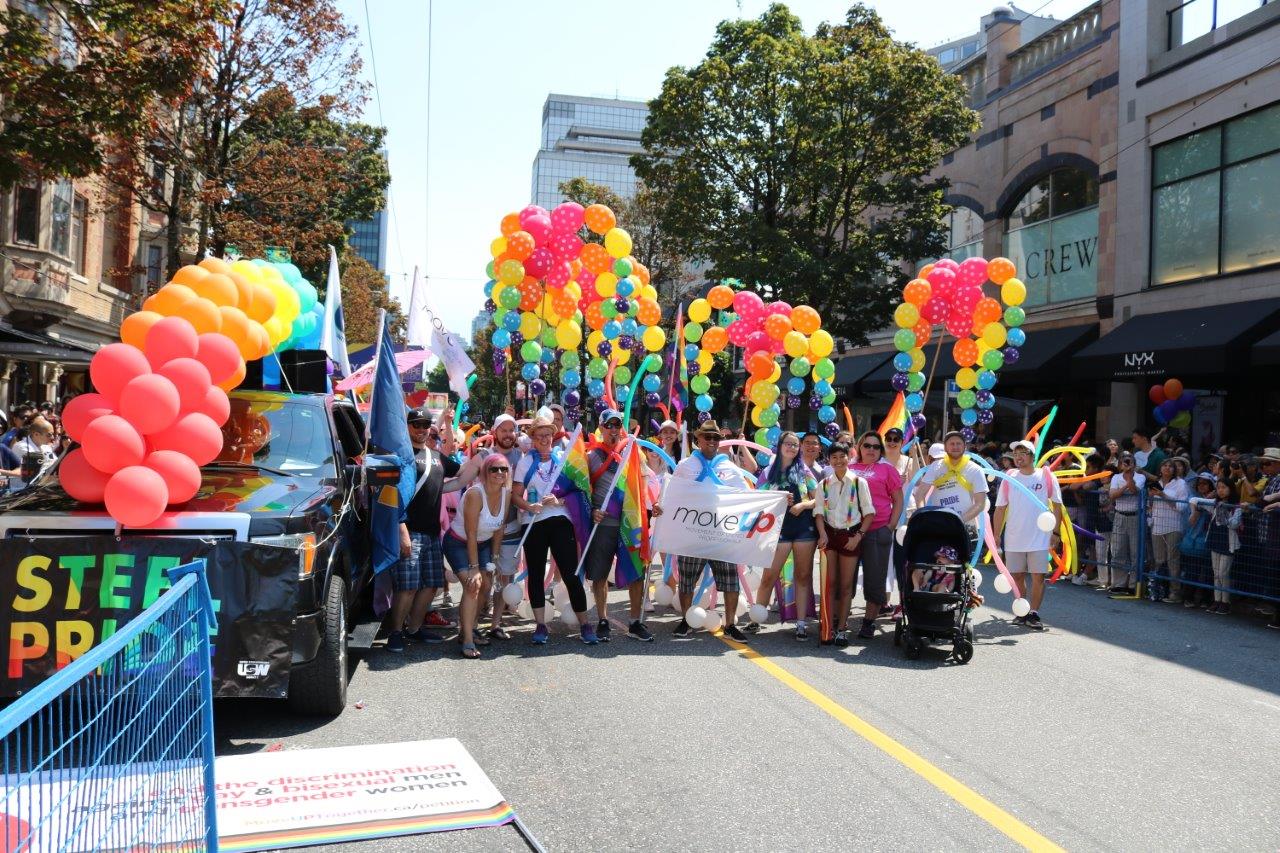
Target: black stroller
938, 616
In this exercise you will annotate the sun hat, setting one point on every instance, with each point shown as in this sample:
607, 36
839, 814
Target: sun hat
708, 427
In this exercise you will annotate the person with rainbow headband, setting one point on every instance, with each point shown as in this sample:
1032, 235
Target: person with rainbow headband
955, 482
707, 463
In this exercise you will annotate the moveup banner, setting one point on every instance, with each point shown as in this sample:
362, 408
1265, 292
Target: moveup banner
701, 519
61, 597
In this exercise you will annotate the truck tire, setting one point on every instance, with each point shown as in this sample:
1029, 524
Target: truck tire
319, 688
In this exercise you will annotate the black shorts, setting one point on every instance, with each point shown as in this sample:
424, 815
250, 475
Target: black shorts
604, 549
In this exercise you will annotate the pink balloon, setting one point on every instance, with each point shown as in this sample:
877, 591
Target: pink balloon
113, 366
540, 227
946, 264
110, 443
530, 211
192, 380
219, 355
181, 475
537, 263
942, 280
195, 434
759, 341
959, 327
586, 277
170, 338
778, 308
746, 303
775, 344
974, 270
150, 403
136, 496
81, 480
739, 331
568, 216
565, 246
215, 405
936, 309
81, 411
559, 274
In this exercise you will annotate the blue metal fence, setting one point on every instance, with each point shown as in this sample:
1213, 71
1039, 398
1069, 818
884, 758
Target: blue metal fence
115, 751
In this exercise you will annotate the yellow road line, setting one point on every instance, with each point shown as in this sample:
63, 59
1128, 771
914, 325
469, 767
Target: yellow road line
940, 779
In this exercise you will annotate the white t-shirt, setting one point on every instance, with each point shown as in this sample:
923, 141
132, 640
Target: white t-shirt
539, 485
1126, 502
949, 492
1165, 512
1020, 530
690, 468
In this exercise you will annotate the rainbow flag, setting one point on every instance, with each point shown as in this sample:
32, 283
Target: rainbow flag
633, 540
897, 418
573, 487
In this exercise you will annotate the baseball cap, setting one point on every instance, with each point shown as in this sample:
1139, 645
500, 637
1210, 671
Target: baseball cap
665, 424
420, 414
1023, 445
937, 451
609, 415
1205, 475
503, 419
1124, 454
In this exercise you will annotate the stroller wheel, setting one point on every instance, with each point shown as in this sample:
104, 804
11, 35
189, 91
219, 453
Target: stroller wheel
914, 648
897, 633
963, 651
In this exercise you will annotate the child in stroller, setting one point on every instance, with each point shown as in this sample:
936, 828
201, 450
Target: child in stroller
938, 588
942, 578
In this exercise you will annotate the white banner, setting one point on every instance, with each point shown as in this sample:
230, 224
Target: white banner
427, 329
701, 519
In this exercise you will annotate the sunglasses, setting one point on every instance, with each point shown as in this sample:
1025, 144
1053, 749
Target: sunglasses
613, 425
499, 470
893, 439
418, 425
874, 446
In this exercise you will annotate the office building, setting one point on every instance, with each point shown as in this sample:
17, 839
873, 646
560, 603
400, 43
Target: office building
479, 323
592, 138
369, 236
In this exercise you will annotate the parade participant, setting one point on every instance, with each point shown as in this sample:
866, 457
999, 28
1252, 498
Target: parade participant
903, 463
1026, 546
885, 485
603, 462
420, 572
740, 455
707, 463
957, 483
811, 454
843, 513
474, 536
798, 537
551, 530
556, 411
669, 441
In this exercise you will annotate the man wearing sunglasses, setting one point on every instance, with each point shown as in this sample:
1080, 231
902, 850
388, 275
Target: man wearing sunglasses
1123, 489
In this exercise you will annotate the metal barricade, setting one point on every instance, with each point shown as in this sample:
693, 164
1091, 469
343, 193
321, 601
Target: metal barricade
115, 751
1115, 546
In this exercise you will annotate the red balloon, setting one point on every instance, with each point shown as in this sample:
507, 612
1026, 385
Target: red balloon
81, 410
113, 366
81, 480
111, 443
192, 380
136, 496
181, 475
215, 405
150, 403
170, 338
195, 434
219, 354
1156, 394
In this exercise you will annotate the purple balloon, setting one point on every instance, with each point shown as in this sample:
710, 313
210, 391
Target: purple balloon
653, 398
490, 306
572, 398
599, 405
899, 381
919, 422
1187, 401
703, 417
1169, 408
1011, 355
794, 401
572, 414
815, 402
984, 398
986, 416
832, 430
969, 434
537, 387
605, 349
694, 369
499, 368
622, 304
516, 339
626, 342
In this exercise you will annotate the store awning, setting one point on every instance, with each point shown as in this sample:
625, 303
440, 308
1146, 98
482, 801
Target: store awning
29, 345
1192, 342
1045, 357
1265, 352
852, 368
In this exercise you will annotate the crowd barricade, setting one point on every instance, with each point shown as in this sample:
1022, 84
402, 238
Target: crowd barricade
1115, 546
115, 750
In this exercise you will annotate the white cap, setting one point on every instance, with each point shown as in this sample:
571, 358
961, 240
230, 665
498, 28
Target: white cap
1023, 445
937, 451
666, 424
503, 419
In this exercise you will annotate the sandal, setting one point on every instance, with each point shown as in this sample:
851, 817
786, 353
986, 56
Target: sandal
470, 651
480, 638
499, 633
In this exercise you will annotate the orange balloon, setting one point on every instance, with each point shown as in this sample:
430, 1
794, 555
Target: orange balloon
133, 331
1000, 270
217, 265
965, 352
599, 218
720, 296
595, 258
235, 325
202, 314
263, 305
234, 379
218, 289
563, 304
244, 291
168, 299
593, 316
924, 271
776, 326
641, 272
520, 245
575, 267
805, 319
760, 365
714, 339
923, 331
260, 339
529, 299
1173, 389
649, 314
510, 224
917, 291
987, 311
189, 275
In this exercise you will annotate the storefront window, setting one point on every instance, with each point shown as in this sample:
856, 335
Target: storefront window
1213, 204
1052, 237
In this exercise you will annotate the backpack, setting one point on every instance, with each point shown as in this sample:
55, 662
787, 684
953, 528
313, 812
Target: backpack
1195, 541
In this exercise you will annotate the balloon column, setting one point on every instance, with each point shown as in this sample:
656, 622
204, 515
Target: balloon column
161, 394
987, 332
1173, 404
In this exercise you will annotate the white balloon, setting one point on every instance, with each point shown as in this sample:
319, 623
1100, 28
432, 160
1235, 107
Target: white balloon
663, 594
759, 613
569, 618
1046, 522
677, 605
705, 601
525, 610
1021, 607
975, 578
713, 621
902, 534
1001, 583
696, 617
513, 594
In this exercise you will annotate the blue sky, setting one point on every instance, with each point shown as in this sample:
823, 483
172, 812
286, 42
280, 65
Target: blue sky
495, 63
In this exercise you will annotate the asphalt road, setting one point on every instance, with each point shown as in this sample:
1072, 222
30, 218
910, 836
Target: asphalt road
1127, 725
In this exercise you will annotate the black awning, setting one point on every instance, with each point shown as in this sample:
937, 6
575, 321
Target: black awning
1192, 342
1266, 352
852, 368
1044, 358
28, 345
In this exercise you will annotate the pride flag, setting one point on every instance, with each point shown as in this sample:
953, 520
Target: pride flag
897, 418
633, 542
573, 487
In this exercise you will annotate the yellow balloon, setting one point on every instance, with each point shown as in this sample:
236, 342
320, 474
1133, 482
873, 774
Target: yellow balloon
568, 335
276, 330
573, 289
607, 284
699, 310
1013, 292
906, 315
763, 394
530, 325
498, 246
654, 338
917, 360
249, 271
617, 243
775, 375
821, 343
270, 273
649, 292
755, 415
966, 377
983, 348
705, 361
795, 344
548, 313
593, 341
287, 304
620, 355
994, 335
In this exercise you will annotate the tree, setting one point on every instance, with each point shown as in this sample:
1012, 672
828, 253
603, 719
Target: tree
489, 394
802, 163
364, 293
77, 78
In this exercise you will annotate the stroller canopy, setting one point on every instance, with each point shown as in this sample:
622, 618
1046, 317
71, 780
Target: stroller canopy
929, 528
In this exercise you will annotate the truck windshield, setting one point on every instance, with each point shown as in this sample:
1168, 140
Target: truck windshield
291, 437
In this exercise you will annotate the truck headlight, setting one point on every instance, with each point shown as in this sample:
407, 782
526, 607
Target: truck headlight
303, 543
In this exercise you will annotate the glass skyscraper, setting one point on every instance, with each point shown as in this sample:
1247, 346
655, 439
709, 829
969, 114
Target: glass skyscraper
369, 236
590, 138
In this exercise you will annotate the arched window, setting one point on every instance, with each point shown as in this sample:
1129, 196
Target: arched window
1052, 236
965, 228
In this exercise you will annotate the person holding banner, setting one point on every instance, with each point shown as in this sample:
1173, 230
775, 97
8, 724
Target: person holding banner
550, 529
843, 512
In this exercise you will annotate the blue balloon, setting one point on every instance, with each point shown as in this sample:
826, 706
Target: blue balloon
548, 356
625, 287
986, 379
1016, 337
914, 403
612, 329
652, 383
774, 433
691, 351
571, 377
822, 387
902, 362
630, 327
969, 417
826, 414
488, 287
511, 321
704, 402
795, 385
595, 388
622, 392
530, 372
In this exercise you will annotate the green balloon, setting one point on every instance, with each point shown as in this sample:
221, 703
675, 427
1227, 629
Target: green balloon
633, 307
549, 337
597, 368
509, 298
966, 399
829, 398
800, 366
498, 314
824, 368
700, 384
993, 359
621, 375
531, 351
1014, 316
622, 267
904, 339
692, 332
578, 318
652, 363
762, 437
488, 270
725, 318
569, 359
915, 381
608, 309
769, 416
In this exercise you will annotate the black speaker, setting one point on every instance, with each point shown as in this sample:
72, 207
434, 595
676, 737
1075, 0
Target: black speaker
252, 375
303, 371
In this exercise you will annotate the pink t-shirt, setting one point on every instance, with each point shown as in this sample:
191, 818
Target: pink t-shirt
884, 481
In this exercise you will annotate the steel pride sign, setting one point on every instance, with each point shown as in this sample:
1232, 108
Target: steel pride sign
701, 519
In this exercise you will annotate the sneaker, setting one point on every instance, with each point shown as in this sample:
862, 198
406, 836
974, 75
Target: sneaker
448, 599
1221, 608
683, 631
1274, 624
395, 642
733, 633
588, 633
841, 640
435, 620
802, 632
1020, 620
1033, 621
1173, 599
422, 635
1078, 580
752, 628
540, 635
603, 630
866, 632
1189, 603
638, 631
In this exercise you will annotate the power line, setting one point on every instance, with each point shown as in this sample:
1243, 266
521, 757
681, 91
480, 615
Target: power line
377, 95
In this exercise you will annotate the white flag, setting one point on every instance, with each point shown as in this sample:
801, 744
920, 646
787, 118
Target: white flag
427, 329
333, 334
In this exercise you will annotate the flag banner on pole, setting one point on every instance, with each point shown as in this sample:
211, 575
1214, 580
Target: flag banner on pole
389, 432
333, 334
701, 519
634, 552
427, 329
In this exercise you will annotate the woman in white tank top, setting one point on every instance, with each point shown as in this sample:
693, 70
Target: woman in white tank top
474, 536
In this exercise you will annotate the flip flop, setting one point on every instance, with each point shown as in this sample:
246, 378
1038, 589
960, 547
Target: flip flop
470, 651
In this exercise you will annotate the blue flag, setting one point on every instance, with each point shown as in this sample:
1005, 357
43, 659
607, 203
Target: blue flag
389, 433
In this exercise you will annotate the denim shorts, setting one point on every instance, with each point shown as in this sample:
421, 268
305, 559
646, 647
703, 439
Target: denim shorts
798, 528
455, 551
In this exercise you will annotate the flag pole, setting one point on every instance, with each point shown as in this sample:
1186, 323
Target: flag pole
622, 467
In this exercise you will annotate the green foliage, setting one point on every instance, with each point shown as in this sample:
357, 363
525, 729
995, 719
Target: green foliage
802, 163
489, 394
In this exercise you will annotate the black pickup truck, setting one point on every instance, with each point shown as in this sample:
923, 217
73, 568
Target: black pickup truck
292, 474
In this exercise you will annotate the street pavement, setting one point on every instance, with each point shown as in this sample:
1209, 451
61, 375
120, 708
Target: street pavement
1127, 725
